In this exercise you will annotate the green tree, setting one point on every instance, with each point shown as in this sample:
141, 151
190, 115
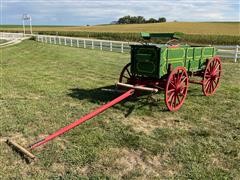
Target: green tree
152, 20
162, 19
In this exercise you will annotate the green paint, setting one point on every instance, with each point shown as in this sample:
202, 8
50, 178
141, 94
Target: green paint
153, 60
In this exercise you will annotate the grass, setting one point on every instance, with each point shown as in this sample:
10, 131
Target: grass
2, 41
45, 87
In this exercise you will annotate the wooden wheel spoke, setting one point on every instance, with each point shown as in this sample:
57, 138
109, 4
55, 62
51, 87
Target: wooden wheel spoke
179, 100
216, 68
170, 91
128, 73
207, 85
211, 87
174, 101
170, 97
207, 82
214, 81
207, 75
172, 83
183, 81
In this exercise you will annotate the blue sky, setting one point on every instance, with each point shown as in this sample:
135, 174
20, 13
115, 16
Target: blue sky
82, 12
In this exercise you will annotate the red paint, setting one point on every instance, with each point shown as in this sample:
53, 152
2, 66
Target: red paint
176, 88
211, 76
83, 119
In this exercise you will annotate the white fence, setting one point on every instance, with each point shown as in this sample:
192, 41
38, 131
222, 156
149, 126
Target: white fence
119, 46
11, 36
115, 46
229, 52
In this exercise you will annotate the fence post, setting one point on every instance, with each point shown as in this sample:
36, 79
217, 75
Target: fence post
101, 45
77, 43
92, 44
50, 40
59, 40
71, 42
65, 41
110, 46
55, 40
236, 54
46, 39
84, 43
42, 39
122, 48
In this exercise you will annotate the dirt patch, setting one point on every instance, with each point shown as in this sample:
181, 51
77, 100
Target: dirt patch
17, 137
217, 162
148, 124
123, 162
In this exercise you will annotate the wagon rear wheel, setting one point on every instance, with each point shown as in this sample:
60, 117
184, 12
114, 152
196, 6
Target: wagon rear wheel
176, 88
211, 76
126, 76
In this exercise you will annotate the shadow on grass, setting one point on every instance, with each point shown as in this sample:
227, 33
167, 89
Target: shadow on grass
101, 96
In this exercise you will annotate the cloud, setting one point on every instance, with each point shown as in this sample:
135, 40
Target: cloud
77, 12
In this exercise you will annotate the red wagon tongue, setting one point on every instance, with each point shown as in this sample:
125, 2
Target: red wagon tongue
83, 119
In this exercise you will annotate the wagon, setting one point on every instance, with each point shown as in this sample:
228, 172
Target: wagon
171, 68
154, 68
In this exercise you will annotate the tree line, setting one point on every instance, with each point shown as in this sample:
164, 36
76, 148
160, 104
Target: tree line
138, 20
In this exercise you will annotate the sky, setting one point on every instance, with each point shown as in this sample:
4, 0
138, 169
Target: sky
82, 12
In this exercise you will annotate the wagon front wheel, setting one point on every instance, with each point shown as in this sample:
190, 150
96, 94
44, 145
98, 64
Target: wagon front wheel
211, 76
176, 88
126, 76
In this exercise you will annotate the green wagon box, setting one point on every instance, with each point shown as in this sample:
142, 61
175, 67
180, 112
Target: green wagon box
153, 60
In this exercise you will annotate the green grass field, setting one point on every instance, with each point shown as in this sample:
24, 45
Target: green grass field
44, 87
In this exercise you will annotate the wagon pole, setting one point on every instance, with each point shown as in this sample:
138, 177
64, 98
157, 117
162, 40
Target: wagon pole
83, 119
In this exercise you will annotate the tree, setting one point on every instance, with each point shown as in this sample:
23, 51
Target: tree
124, 20
152, 20
162, 19
140, 19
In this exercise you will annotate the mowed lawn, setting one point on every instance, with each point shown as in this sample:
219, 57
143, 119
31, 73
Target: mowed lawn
44, 87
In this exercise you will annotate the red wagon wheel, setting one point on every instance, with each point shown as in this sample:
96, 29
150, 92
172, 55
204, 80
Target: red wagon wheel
176, 88
211, 76
126, 76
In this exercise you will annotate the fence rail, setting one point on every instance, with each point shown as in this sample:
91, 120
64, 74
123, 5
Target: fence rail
115, 46
232, 52
11, 36
119, 46
229, 52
